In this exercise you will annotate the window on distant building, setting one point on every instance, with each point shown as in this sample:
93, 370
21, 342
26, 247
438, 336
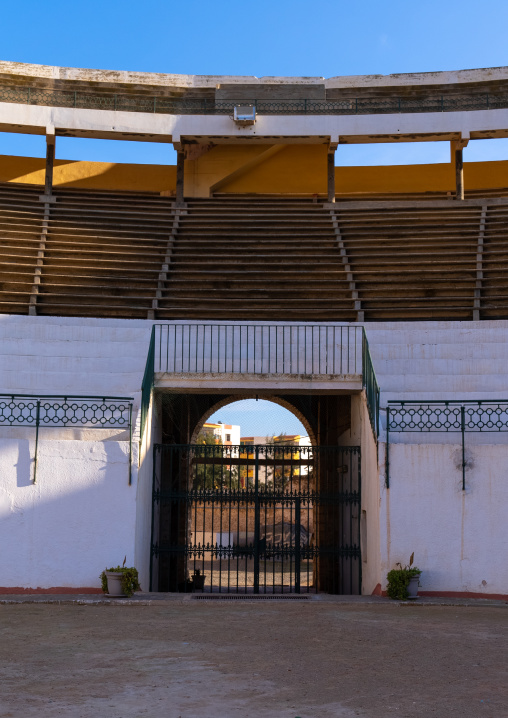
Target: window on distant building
228, 437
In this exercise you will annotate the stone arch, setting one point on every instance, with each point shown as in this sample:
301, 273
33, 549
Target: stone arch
232, 398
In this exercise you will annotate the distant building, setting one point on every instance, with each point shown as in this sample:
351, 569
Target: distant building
228, 434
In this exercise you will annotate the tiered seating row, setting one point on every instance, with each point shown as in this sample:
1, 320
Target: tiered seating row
415, 262
103, 254
21, 218
261, 259
110, 254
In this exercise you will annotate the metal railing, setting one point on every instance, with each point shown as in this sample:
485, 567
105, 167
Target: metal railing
196, 106
147, 384
83, 412
372, 391
306, 350
444, 416
261, 349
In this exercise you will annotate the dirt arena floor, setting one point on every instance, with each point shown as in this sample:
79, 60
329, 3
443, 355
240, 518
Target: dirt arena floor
203, 659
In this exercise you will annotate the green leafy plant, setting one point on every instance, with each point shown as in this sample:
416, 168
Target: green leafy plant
398, 579
130, 579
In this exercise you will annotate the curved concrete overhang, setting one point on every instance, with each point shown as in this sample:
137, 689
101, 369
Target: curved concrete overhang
203, 129
19, 72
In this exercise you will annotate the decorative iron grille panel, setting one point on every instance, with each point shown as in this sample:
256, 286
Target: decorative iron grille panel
197, 106
448, 416
256, 519
444, 416
85, 412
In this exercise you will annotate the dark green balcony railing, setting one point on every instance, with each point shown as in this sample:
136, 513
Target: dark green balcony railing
198, 106
444, 416
261, 349
80, 412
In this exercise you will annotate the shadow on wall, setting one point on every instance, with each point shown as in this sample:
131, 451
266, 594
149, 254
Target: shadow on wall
79, 516
293, 170
90, 175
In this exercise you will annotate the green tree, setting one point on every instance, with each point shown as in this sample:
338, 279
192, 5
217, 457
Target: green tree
211, 467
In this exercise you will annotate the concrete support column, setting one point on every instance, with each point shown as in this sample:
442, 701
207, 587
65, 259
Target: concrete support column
456, 148
180, 162
459, 174
50, 160
331, 175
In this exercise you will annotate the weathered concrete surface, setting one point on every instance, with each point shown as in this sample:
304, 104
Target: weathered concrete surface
307, 660
19, 70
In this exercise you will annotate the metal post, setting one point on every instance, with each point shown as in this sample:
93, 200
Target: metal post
331, 176
297, 543
180, 161
37, 420
459, 174
50, 158
256, 522
130, 444
387, 457
463, 431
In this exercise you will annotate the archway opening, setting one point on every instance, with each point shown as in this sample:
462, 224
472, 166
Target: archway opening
253, 502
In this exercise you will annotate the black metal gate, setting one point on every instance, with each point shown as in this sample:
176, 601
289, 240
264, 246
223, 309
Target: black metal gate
256, 519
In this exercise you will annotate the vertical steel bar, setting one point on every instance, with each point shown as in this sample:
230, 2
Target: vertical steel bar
297, 543
130, 444
387, 456
37, 421
463, 432
256, 521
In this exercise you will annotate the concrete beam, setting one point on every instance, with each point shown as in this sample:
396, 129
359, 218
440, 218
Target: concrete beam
274, 129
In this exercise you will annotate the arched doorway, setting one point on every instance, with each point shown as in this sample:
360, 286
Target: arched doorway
260, 513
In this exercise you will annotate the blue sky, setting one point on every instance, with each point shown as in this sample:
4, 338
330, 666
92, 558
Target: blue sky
259, 418
319, 38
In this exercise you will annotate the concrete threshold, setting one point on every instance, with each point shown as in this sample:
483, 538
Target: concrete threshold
153, 599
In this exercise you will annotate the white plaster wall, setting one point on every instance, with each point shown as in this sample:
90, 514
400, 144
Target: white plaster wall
440, 360
58, 532
459, 537
77, 519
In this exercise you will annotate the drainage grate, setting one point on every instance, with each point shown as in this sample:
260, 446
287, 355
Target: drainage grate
247, 597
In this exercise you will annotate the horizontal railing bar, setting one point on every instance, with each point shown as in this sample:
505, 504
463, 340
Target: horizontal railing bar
164, 105
68, 396
454, 402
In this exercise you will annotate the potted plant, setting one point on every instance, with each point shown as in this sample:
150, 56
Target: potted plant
120, 580
403, 581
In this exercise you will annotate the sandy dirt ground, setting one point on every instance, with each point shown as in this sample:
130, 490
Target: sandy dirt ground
198, 659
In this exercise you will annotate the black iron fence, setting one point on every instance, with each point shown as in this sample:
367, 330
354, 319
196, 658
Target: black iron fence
256, 519
197, 106
459, 417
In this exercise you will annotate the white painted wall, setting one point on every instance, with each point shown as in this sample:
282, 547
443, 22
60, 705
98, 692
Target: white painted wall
459, 537
77, 519
60, 532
